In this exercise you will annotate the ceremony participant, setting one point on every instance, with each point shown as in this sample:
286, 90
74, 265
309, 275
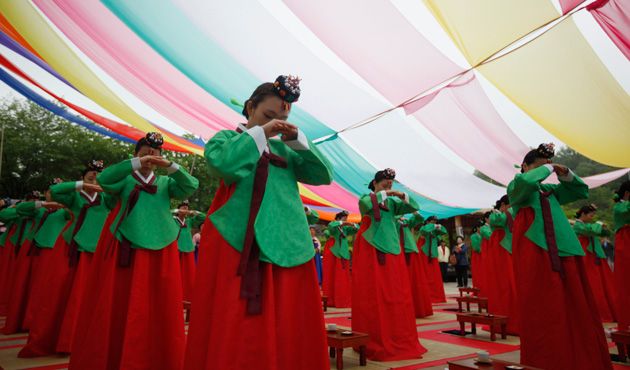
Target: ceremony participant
341, 295
257, 299
476, 259
444, 254
56, 301
460, 250
488, 264
18, 282
560, 328
415, 268
185, 245
621, 218
381, 298
599, 273
329, 261
431, 232
501, 288
9, 217
131, 312
312, 217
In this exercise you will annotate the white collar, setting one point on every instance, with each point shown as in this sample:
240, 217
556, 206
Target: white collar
145, 180
180, 220
92, 198
578, 220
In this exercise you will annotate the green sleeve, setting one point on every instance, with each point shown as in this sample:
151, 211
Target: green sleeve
67, 214
8, 215
311, 166
350, 230
427, 229
440, 231
197, 220
64, 193
498, 220
332, 227
26, 209
593, 229
110, 201
402, 208
365, 202
181, 184
327, 233
113, 178
313, 218
486, 232
525, 184
415, 220
570, 191
231, 156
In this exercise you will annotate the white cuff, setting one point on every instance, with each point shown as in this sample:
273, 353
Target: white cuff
406, 200
79, 185
175, 211
549, 167
599, 223
38, 204
258, 134
383, 195
174, 167
135, 163
568, 177
416, 213
308, 211
301, 143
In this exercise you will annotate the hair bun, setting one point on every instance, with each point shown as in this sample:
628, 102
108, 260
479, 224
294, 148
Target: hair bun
95, 165
389, 173
55, 181
288, 89
154, 140
547, 150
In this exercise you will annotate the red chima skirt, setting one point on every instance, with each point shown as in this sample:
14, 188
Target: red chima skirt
6, 269
476, 269
130, 317
342, 292
487, 272
432, 274
602, 283
188, 269
622, 276
328, 262
381, 303
19, 288
420, 292
560, 327
288, 334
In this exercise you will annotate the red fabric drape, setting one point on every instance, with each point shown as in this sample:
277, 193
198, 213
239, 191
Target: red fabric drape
614, 18
622, 276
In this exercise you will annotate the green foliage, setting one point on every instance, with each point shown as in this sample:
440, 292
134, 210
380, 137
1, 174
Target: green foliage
39, 146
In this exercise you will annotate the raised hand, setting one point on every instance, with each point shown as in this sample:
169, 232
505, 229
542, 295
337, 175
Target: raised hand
52, 205
154, 160
276, 127
560, 169
92, 188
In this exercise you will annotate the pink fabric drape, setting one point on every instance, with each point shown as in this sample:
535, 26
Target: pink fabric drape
614, 18
568, 5
337, 195
137, 67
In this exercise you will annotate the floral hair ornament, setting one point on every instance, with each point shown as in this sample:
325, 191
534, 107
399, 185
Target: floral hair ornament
35, 194
547, 150
96, 166
389, 173
288, 89
55, 181
154, 140
184, 203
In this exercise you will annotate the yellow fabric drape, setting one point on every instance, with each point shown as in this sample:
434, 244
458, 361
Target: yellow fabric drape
32, 26
562, 84
480, 28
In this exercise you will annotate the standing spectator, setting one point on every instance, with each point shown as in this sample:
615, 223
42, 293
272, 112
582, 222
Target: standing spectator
609, 252
443, 255
196, 240
460, 251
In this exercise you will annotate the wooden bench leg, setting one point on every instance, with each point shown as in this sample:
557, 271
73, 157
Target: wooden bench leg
339, 358
474, 328
460, 306
325, 306
468, 306
493, 335
332, 352
621, 348
362, 356
187, 319
504, 331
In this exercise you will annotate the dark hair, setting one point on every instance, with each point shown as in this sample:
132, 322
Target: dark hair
504, 199
430, 218
153, 140
459, 236
183, 203
625, 186
33, 195
543, 151
341, 214
486, 215
386, 174
586, 209
441, 241
261, 93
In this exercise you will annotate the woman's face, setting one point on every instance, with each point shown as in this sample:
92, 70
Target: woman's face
383, 185
268, 109
90, 178
185, 208
460, 240
588, 217
537, 163
146, 150
313, 232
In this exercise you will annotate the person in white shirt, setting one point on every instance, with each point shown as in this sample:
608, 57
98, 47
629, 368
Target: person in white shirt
443, 255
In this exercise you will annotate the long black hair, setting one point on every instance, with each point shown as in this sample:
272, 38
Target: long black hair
504, 199
340, 215
625, 186
386, 174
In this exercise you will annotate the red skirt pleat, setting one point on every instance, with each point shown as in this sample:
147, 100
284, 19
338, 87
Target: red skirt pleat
487, 275
420, 292
188, 270
342, 292
432, 274
381, 303
559, 328
19, 289
290, 332
69, 323
502, 289
37, 262
6, 271
48, 300
130, 318
328, 281
476, 269
602, 283
622, 276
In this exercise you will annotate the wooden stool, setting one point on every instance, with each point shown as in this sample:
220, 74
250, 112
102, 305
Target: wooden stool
337, 342
474, 291
187, 309
481, 302
622, 340
469, 363
478, 318
325, 302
